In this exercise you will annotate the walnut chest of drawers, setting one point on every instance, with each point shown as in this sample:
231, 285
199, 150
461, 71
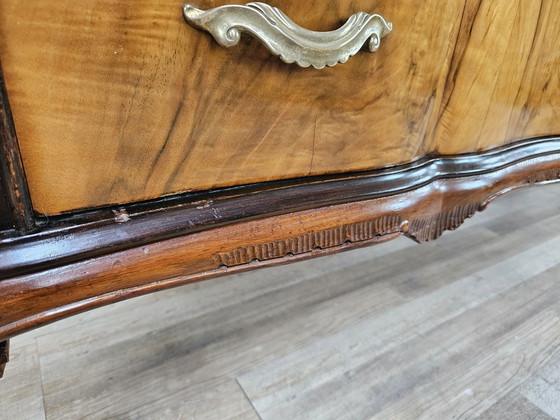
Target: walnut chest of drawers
147, 144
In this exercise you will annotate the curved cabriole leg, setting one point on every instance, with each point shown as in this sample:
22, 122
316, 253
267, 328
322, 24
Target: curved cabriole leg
4, 355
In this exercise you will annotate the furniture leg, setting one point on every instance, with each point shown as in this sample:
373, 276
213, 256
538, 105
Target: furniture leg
4, 355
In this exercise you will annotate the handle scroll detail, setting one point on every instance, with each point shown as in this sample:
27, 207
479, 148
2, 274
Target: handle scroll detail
286, 39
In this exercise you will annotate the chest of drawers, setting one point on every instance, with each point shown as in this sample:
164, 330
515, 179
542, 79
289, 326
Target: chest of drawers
139, 154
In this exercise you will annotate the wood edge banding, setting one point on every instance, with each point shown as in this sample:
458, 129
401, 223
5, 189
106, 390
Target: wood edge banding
34, 299
72, 238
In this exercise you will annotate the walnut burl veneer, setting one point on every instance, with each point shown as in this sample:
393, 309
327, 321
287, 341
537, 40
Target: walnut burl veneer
123, 101
137, 154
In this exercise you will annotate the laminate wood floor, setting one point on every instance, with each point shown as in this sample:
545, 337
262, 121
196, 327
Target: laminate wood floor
464, 327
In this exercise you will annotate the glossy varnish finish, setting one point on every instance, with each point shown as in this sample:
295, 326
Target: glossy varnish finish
127, 102
504, 80
47, 292
76, 237
122, 101
89, 137
396, 331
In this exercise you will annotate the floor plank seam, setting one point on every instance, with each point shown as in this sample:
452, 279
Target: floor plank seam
41, 377
248, 399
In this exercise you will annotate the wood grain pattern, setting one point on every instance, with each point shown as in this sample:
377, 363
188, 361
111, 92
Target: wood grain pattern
414, 318
128, 102
77, 237
515, 407
46, 294
504, 81
132, 147
123, 101
542, 388
24, 394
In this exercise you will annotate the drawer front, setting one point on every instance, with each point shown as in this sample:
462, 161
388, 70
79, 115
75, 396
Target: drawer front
123, 101
504, 81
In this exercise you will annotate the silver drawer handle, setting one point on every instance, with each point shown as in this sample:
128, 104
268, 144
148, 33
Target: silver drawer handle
285, 38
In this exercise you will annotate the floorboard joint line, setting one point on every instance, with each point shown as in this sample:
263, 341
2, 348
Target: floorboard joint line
41, 377
248, 399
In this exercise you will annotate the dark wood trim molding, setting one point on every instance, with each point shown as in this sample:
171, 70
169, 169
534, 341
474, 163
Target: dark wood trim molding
63, 270
6, 217
70, 238
15, 202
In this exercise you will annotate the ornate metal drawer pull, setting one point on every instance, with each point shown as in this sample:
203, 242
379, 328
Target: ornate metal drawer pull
286, 39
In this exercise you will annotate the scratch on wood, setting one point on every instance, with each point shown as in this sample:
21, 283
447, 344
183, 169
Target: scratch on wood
121, 216
313, 145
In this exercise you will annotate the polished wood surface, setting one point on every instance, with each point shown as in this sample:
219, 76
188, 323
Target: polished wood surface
109, 109
44, 291
70, 238
117, 102
504, 81
467, 327
122, 101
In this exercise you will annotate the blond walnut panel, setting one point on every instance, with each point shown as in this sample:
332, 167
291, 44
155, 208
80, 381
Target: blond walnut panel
504, 82
122, 101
